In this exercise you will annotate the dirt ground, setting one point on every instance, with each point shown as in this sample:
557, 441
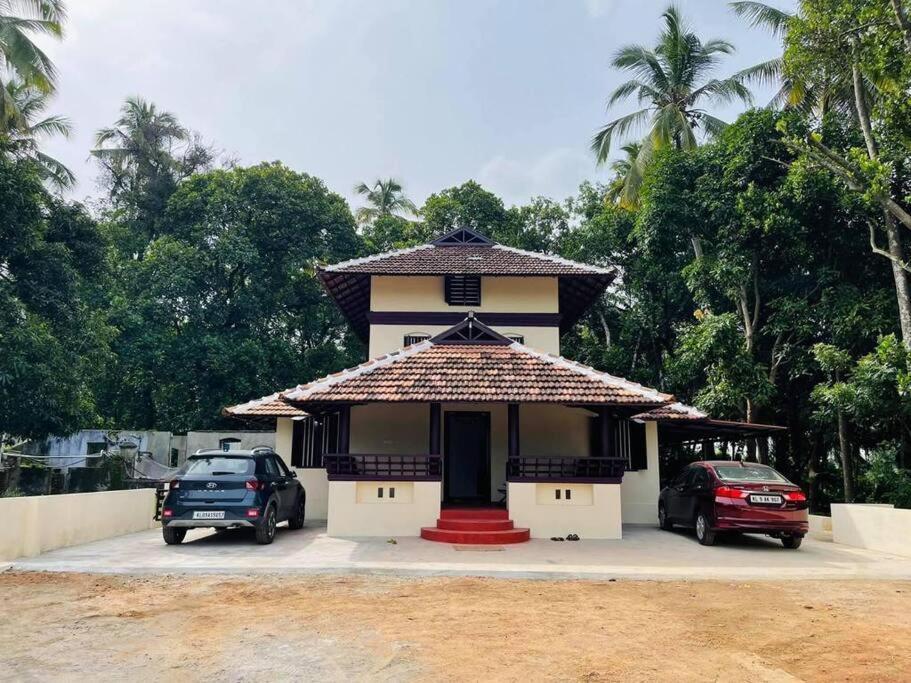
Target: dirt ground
78, 626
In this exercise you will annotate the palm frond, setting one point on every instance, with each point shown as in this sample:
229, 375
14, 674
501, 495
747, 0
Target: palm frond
759, 14
601, 142
764, 73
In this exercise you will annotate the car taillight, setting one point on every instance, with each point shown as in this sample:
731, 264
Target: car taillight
253, 512
795, 496
253, 485
730, 492
175, 484
167, 512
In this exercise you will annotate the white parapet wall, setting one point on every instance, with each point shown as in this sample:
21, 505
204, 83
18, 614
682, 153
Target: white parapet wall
593, 511
876, 527
382, 508
316, 484
31, 525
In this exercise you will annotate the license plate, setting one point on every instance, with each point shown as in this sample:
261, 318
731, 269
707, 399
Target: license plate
209, 514
767, 500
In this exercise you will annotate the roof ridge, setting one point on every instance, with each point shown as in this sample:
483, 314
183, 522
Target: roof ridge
253, 403
374, 257
556, 259
588, 371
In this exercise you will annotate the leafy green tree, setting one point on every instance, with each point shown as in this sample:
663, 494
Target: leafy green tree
835, 399
673, 79
226, 304
466, 206
53, 342
386, 197
20, 57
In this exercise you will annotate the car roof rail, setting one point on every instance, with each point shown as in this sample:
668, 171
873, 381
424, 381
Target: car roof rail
266, 449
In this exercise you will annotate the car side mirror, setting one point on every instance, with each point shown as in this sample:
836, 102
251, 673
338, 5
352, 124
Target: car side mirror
293, 474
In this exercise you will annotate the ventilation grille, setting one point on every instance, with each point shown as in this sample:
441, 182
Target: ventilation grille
463, 290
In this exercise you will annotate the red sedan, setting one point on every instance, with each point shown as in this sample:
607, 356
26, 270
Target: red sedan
728, 496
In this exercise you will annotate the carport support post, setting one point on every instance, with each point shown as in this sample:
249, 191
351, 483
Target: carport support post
344, 429
512, 424
605, 431
318, 438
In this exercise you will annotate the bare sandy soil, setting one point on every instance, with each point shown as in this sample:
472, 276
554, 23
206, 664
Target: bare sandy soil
78, 626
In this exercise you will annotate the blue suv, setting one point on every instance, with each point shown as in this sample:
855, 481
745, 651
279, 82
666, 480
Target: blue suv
225, 489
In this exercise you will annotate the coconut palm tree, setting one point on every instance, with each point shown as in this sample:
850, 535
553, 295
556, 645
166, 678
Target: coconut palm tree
140, 147
384, 198
624, 170
26, 126
20, 58
672, 80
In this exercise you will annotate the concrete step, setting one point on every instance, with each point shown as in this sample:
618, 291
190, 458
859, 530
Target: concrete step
475, 537
475, 524
474, 513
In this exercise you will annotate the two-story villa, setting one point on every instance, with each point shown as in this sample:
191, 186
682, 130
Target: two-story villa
467, 425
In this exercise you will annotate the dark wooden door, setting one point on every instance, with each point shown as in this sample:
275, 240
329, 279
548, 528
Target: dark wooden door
466, 476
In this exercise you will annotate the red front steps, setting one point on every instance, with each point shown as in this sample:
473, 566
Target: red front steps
475, 526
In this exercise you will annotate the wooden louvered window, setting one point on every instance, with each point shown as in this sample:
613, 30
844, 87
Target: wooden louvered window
415, 338
463, 290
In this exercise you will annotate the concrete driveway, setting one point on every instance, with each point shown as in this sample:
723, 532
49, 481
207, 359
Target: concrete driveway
644, 553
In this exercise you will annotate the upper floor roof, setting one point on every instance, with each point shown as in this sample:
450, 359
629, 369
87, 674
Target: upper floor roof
463, 252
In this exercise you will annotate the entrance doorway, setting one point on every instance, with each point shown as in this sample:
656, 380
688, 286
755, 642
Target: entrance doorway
466, 457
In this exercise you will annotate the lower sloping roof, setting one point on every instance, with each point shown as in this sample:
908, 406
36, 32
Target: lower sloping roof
469, 363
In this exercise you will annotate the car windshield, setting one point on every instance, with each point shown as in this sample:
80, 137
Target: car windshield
748, 474
219, 464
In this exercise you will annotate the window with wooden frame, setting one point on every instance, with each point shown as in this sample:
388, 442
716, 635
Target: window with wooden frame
463, 290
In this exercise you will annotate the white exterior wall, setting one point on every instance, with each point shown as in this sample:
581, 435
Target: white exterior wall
313, 479
249, 439
593, 510
32, 525
421, 294
640, 489
876, 527
355, 510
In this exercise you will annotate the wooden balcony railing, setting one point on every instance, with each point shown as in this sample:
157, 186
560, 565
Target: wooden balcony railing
380, 467
540, 469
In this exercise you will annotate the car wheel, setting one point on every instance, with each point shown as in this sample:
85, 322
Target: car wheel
265, 532
663, 521
704, 533
791, 542
296, 521
173, 535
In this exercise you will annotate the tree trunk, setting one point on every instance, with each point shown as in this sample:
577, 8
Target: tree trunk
816, 451
902, 22
847, 461
902, 290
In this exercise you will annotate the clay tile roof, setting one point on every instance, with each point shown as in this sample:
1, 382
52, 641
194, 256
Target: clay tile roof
265, 407
496, 259
444, 372
674, 411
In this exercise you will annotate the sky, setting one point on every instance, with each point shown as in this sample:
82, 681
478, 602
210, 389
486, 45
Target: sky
431, 92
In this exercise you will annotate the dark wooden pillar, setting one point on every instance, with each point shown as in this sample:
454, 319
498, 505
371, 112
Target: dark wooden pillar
605, 432
512, 425
344, 429
436, 414
318, 439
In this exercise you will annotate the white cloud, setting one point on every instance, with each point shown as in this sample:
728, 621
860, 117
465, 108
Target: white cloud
556, 174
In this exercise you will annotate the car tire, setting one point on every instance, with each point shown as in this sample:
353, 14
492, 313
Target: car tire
704, 533
173, 535
791, 542
296, 521
265, 530
663, 521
